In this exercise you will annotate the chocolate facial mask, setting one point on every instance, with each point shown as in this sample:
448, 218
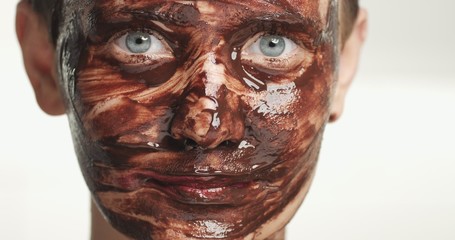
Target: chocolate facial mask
198, 119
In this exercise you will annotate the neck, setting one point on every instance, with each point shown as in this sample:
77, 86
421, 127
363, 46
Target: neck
280, 235
102, 230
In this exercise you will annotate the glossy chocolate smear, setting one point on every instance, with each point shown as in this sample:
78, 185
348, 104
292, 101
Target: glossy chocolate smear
202, 136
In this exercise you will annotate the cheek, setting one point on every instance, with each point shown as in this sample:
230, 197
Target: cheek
292, 113
301, 107
111, 103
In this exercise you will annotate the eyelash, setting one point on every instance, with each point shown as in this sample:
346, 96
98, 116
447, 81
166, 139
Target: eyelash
127, 57
279, 63
273, 65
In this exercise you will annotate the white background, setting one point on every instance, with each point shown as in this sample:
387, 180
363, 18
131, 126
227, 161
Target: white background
387, 168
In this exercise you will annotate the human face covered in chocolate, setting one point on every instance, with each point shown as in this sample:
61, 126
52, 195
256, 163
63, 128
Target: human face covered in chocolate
198, 119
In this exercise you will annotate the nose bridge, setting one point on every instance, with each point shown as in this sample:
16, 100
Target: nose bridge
213, 75
211, 113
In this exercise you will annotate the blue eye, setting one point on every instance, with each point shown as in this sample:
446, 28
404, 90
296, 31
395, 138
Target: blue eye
138, 42
143, 43
272, 45
274, 52
138, 48
269, 46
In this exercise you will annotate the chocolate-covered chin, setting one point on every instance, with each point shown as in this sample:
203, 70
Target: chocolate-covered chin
231, 198
211, 143
205, 206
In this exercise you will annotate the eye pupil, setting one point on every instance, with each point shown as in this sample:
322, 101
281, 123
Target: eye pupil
272, 46
138, 42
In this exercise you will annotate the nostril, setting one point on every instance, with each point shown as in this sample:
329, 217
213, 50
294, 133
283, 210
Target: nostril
228, 144
189, 144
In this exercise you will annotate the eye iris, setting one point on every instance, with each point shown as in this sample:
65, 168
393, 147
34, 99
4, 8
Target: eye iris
138, 42
272, 46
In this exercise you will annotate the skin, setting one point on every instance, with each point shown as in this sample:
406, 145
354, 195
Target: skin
204, 139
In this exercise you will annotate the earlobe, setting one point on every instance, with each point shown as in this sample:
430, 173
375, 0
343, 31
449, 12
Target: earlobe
349, 60
39, 60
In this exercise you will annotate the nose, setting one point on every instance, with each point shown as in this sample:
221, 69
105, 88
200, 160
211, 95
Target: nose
211, 114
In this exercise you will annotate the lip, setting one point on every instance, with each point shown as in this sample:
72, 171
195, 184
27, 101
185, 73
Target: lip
223, 162
222, 176
234, 194
206, 190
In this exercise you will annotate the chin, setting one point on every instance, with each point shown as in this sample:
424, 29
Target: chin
146, 205
148, 214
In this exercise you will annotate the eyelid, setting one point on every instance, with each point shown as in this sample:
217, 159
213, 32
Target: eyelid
118, 49
253, 45
296, 57
120, 40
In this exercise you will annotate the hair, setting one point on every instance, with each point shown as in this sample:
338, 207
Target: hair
48, 10
349, 10
348, 15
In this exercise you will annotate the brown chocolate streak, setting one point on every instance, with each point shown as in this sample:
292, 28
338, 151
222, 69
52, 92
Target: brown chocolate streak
141, 134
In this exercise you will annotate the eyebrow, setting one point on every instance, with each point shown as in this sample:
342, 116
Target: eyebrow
159, 10
170, 13
283, 5
147, 6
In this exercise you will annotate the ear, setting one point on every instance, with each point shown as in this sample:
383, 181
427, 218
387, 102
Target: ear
39, 58
349, 60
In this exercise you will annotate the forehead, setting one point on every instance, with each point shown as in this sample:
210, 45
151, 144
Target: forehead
315, 10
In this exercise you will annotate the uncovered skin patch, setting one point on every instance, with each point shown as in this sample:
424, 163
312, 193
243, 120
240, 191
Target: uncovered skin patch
198, 119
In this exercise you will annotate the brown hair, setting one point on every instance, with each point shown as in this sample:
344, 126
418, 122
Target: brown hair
348, 14
48, 8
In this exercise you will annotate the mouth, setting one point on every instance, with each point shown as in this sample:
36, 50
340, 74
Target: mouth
234, 194
221, 176
223, 163
201, 190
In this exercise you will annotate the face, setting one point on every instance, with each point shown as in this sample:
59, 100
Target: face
198, 119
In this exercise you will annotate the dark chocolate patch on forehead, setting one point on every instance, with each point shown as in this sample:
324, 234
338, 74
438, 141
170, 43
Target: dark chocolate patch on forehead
167, 11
